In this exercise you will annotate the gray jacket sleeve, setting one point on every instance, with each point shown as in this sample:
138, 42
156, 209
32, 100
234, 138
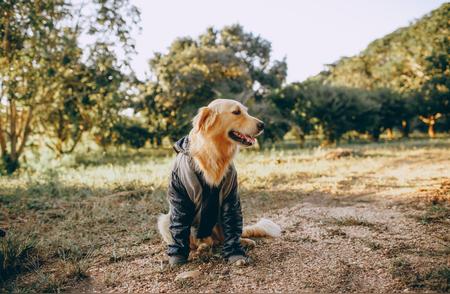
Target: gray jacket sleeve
181, 217
232, 222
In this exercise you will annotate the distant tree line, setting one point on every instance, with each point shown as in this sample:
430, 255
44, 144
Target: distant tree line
56, 92
412, 62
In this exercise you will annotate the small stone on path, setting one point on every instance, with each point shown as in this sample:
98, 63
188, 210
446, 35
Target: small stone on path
189, 274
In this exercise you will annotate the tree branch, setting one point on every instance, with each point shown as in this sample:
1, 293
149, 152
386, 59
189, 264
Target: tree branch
76, 141
12, 128
424, 119
26, 132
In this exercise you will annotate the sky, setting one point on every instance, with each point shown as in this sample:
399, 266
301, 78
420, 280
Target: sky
309, 33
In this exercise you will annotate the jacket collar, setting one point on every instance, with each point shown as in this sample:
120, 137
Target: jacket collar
182, 145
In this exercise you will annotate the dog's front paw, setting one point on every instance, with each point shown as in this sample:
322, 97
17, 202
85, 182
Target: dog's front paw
204, 249
248, 243
177, 260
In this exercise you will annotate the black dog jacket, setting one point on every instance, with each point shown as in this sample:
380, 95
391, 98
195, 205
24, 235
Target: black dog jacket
196, 207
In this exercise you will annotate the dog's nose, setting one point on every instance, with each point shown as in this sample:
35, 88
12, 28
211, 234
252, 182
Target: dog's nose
260, 126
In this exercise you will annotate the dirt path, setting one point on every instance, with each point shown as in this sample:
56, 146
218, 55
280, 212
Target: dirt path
333, 249
358, 242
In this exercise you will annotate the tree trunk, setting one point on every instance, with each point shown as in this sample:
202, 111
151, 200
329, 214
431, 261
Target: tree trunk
2, 138
375, 134
19, 130
158, 141
26, 131
406, 128
430, 121
302, 139
431, 131
15, 128
12, 129
330, 139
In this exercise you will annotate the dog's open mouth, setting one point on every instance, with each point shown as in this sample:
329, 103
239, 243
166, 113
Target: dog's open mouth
246, 140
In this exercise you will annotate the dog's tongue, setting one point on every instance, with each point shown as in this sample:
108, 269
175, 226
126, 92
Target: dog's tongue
246, 137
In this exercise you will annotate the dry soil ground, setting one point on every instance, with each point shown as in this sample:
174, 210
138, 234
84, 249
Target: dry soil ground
373, 220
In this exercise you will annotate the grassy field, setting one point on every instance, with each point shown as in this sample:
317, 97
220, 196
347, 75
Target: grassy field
372, 217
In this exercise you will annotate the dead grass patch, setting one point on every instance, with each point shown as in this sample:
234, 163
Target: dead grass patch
437, 279
17, 255
351, 221
438, 195
435, 214
340, 153
336, 233
372, 245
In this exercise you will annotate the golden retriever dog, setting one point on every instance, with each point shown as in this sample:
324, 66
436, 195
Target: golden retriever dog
203, 170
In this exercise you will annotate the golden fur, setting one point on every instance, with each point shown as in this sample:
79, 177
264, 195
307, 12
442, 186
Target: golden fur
210, 146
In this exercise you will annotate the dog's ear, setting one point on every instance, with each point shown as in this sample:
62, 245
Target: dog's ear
204, 119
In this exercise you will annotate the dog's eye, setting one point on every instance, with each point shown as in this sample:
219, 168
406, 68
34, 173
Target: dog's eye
236, 112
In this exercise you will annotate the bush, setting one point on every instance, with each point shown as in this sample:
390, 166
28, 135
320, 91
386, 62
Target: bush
394, 111
134, 135
8, 165
338, 110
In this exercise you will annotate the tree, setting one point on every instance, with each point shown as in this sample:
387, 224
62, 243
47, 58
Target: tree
132, 135
188, 77
434, 97
109, 93
397, 61
229, 63
411, 61
394, 111
290, 112
337, 110
39, 54
25, 31
65, 119
94, 93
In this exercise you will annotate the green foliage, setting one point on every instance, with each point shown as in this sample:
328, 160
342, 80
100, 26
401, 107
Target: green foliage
46, 87
412, 61
434, 96
133, 135
394, 111
8, 165
229, 63
55, 93
108, 95
188, 77
338, 110
397, 61
289, 111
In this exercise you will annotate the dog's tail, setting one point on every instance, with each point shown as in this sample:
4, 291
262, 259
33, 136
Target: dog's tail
263, 228
163, 228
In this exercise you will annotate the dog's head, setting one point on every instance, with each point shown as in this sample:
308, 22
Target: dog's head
228, 119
